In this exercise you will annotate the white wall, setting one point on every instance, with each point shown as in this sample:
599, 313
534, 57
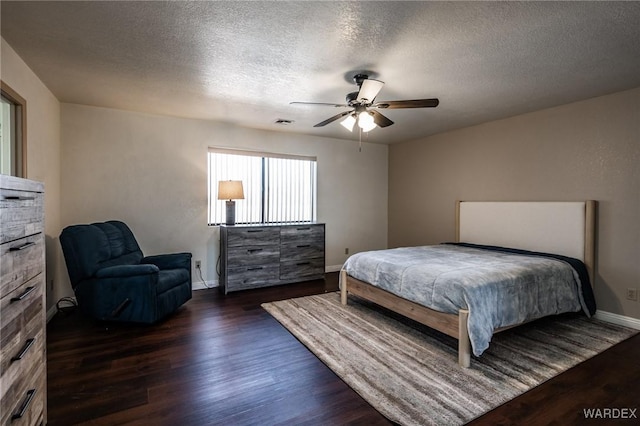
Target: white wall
150, 171
588, 150
43, 154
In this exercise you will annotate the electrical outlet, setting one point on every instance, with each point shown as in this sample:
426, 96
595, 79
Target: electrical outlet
346, 250
632, 294
198, 264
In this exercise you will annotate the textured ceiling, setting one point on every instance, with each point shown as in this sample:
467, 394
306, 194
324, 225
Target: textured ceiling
243, 62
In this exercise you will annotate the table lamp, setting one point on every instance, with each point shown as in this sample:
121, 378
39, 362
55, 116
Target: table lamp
230, 190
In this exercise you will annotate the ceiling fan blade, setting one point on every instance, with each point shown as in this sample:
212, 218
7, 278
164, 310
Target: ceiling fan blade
320, 103
380, 119
416, 103
332, 119
369, 90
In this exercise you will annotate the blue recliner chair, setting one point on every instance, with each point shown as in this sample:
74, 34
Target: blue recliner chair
113, 281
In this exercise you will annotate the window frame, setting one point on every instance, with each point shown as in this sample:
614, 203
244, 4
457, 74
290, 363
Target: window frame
19, 141
264, 197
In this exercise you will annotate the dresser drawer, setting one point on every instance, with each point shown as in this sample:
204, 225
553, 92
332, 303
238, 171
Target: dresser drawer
252, 255
310, 268
24, 399
247, 277
21, 214
21, 319
22, 365
253, 236
306, 233
20, 356
22, 259
301, 250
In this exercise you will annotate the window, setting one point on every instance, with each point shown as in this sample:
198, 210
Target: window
12, 133
277, 188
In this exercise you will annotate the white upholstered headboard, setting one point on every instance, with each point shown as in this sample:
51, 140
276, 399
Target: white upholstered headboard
565, 228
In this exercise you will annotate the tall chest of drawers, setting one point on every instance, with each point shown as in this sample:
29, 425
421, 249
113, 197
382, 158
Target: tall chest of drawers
253, 256
22, 303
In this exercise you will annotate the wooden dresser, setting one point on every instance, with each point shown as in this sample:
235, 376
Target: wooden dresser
23, 359
253, 256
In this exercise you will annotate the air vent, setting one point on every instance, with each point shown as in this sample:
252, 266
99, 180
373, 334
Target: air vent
283, 121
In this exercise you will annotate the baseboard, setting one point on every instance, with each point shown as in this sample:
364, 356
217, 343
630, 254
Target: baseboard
332, 268
618, 319
601, 315
194, 286
51, 312
199, 285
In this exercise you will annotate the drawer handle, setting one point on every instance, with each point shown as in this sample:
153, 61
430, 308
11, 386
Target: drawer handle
24, 294
303, 229
303, 263
254, 230
303, 245
25, 405
24, 246
253, 250
24, 350
257, 268
18, 197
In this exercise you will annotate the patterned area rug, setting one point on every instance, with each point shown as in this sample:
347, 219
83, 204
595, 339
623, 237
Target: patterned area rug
409, 372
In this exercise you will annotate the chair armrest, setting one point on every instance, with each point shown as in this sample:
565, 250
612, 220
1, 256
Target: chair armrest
123, 271
169, 261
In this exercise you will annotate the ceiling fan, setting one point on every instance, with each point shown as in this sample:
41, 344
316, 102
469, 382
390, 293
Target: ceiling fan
363, 104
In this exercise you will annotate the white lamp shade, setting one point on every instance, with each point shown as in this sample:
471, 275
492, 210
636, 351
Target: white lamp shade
230, 190
365, 121
348, 122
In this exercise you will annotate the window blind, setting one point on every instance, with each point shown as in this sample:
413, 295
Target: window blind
277, 187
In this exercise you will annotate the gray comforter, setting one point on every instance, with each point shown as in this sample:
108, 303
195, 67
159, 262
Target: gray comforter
499, 289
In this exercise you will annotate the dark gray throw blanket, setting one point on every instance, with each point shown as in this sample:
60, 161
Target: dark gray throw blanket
498, 288
589, 299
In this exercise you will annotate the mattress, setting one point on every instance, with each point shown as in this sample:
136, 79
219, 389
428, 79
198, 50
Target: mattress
500, 287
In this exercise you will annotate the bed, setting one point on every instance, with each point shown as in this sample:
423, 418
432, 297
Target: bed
563, 229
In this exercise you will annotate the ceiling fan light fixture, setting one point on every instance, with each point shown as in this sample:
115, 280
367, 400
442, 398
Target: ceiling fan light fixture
348, 122
365, 121
364, 108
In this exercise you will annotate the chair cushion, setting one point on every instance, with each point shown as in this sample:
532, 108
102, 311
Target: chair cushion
125, 259
114, 238
169, 278
120, 238
88, 248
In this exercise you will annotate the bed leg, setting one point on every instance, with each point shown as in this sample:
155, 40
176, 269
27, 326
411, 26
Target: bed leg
343, 286
464, 344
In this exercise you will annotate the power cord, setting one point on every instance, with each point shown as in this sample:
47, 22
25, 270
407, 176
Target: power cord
70, 307
199, 269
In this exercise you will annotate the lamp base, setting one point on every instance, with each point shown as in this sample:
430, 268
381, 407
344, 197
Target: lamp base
231, 212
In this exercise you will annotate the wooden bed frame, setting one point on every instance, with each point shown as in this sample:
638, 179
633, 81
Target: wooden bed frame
552, 227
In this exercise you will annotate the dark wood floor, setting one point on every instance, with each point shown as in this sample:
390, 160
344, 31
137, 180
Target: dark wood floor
224, 360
